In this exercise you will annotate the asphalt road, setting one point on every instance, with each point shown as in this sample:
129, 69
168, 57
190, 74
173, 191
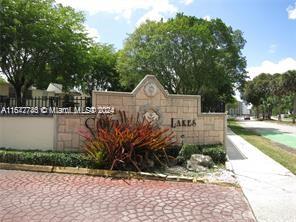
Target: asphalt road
280, 133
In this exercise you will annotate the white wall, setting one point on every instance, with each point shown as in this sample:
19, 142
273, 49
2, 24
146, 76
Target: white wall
245, 109
27, 132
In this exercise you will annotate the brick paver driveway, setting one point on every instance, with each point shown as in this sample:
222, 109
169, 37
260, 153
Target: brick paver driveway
29, 196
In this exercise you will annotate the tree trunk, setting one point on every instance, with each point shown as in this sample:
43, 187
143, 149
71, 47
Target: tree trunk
294, 109
257, 112
90, 92
280, 116
269, 113
280, 113
264, 113
18, 94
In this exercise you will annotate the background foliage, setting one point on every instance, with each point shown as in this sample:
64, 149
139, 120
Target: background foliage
41, 42
272, 94
188, 55
101, 73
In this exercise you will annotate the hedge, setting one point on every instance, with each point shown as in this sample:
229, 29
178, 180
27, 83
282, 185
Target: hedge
75, 159
51, 158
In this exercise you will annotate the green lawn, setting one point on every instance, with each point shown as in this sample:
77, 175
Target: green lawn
284, 122
286, 158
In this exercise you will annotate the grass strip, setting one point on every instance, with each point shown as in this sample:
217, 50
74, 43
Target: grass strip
284, 157
289, 123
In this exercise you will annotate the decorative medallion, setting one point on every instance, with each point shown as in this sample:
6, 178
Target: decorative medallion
150, 89
151, 114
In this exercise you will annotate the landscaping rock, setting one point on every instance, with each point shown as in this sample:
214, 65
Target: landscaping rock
196, 168
176, 170
199, 162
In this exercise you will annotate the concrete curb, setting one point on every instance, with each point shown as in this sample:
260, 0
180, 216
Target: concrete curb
110, 173
228, 165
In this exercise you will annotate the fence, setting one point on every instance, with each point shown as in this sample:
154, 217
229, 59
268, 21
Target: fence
79, 101
216, 108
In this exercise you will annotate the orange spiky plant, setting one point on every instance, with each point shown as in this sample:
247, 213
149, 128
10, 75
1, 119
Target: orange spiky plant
127, 143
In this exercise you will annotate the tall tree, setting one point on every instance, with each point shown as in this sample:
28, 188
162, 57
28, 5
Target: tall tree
252, 95
101, 71
257, 91
188, 55
272, 93
289, 88
41, 41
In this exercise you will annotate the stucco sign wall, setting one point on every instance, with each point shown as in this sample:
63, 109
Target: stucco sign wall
181, 113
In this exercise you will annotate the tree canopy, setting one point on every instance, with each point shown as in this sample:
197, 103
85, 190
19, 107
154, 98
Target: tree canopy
101, 73
41, 41
272, 94
188, 55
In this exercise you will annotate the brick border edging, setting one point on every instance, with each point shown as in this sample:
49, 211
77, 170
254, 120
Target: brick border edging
109, 173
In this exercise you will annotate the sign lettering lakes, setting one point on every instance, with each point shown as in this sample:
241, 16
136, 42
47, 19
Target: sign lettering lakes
181, 122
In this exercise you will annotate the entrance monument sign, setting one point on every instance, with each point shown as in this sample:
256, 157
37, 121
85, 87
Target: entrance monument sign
182, 113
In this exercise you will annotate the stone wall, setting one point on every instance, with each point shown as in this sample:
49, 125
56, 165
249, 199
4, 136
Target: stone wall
67, 128
181, 113
210, 129
149, 98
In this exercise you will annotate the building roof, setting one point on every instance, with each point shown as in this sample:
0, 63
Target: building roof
55, 87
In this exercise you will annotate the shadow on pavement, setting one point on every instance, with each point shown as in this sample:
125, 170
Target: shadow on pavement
232, 151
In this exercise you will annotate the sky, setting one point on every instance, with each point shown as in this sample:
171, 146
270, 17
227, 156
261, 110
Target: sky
269, 26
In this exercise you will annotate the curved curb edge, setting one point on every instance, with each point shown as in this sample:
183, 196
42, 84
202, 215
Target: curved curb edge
110, 173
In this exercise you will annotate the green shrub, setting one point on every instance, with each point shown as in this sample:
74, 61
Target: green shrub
173, 150
50, 158
187, 150
215, 151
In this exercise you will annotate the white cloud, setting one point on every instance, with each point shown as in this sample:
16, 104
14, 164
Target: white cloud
272, 68
272, 48
122, 9
92, 33
207, 17
158, 12
186, 2
152, 15
292, 11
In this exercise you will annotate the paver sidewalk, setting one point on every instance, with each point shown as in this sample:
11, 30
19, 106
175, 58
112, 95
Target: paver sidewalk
269, 187
31, 196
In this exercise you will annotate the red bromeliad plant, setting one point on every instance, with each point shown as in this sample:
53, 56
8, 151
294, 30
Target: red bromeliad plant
127, 142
